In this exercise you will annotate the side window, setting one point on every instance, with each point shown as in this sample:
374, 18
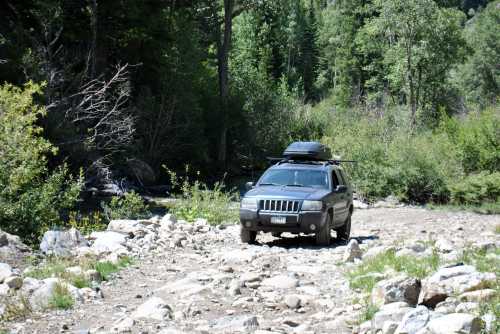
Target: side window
345, 178
335, 179
340, 176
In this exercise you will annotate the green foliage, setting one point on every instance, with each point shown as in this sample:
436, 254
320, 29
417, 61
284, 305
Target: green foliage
197, 200
61, 297
367, 312
107, 268
476, 189
480, 76
130, 206
87, 223
31, 197
418, 267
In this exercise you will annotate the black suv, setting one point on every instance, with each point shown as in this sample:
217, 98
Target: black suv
305, 192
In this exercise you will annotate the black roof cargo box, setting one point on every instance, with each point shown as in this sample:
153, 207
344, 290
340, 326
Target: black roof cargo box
307, 150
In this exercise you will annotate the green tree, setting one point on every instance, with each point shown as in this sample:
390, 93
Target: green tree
421, 42
480, 76
31, 197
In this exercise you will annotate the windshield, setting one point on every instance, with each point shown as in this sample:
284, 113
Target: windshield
295, 178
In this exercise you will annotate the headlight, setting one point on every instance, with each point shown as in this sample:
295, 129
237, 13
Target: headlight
249, 203
312, 205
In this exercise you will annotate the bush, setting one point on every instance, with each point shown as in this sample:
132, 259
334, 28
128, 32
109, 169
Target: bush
31, 197
476, 189
196, 200
87, 223
130, 206
61, 297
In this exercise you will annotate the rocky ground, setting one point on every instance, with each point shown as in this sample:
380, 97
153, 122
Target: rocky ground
195, 278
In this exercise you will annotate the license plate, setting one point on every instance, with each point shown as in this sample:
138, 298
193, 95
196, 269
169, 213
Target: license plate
278, 220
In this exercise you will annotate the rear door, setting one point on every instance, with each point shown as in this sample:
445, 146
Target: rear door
338, 208
342, 206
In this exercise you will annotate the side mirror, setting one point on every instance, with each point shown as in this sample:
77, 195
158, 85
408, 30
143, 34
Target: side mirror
249, 185
341, 188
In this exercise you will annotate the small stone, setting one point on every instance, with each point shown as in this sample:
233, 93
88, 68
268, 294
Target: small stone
154, 308
414, 321
352, 251
397, 289
281, 282
14, 282
292, 301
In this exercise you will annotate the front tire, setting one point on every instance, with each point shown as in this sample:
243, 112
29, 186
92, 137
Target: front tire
247, 236
323, 236
344, 232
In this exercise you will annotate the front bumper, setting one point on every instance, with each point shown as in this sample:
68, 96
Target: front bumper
295, 222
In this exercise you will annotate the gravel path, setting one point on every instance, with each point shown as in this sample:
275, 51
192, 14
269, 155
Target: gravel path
287, 285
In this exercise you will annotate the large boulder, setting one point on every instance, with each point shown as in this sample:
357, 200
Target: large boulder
393, 312
41, 297
455, 323
154, 308
5, 271
126, 226
398, 289
109, 242
414, 321
453, 281
62, 243
13, 242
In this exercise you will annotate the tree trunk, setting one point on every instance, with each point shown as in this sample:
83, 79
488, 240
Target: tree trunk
93, 44
411, 84
223, 48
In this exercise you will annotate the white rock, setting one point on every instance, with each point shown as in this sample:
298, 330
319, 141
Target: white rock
389, 312
453, 281
108, 242
40, 299
478, 295
62, 243
123, 325
414, 321
444, 246
4, 290
455, 323
281, 282
230, 324
154, 308
389, 327
292, 301
125, 226
352, 251
5, 271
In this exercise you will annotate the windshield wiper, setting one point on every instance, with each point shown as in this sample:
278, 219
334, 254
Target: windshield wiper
269, 184
295, 185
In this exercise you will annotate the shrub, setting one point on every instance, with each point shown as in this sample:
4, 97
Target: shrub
61, 297
106, 268
197, 200
31, 197
95, 221
130, 206
476, 189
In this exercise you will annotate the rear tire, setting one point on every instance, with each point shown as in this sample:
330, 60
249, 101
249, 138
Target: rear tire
247, 236
344, 232
323, 236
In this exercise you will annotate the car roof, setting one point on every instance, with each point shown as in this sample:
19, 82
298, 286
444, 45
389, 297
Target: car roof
305, 165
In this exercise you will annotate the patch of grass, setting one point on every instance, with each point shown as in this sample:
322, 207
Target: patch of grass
61, 298
484, 208
107, 268
56, 267
198, 200
367, 312
364, 276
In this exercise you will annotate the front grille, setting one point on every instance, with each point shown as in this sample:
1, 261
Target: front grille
278, 205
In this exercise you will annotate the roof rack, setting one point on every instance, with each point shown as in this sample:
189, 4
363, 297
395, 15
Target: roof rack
337, 162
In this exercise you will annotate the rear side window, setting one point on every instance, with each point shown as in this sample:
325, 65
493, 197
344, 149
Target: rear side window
344, 177
335, 179
339, 175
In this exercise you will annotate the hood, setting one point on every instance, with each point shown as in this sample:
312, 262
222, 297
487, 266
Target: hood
284, 192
